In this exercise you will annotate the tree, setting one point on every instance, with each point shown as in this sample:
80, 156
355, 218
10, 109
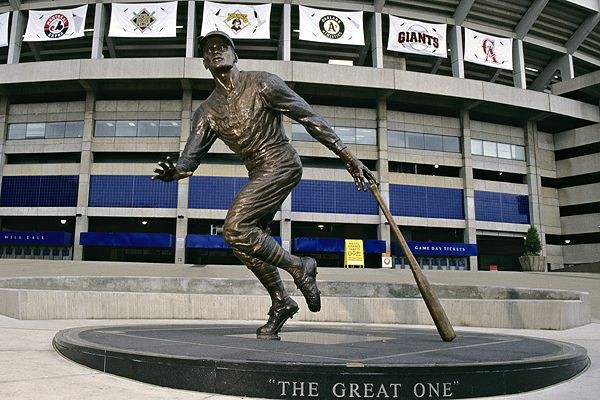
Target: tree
533, 244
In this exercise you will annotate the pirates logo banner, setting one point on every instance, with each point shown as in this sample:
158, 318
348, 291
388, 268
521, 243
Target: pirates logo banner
329, 26
408, 36
238, 21
143, 20
45, 25
4, 29
484, 49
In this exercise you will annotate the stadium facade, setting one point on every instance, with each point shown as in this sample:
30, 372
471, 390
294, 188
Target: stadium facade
466, 154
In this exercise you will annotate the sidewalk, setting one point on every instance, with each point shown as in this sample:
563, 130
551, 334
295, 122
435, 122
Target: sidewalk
31, 369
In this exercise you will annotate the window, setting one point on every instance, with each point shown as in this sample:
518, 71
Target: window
451, 144
477, 147
396, 139
504, 150
35, 130
517, 152
17, 131
126, 129
104, 128
347, 134
148, 128
142, 128
55, 130
490, 149
74, 129
414, 140
366, 136
169, 128
433, 142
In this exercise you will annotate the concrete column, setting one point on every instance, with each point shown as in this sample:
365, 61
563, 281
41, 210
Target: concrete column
456, 52
377, 40
285, 35
383, 175
3, 133
470, 235
17, 28
190, 39
519, 79
534, 182
85, 166
100, 17
181, 228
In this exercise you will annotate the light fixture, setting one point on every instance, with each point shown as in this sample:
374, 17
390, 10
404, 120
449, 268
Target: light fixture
63, 221
321, 226
436, 166
567, 241
500, 173
144, 222
531, 69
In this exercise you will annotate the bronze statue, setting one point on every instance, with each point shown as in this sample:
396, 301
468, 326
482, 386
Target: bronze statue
245, 111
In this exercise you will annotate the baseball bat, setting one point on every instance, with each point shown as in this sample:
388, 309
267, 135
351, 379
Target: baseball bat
436, 310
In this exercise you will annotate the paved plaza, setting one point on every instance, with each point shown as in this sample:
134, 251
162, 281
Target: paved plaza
31, 369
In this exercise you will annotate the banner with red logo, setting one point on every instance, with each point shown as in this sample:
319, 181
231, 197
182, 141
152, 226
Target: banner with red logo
417, 37
45, 25
331, 26
4, 29
142, 20
239, 21
484, 49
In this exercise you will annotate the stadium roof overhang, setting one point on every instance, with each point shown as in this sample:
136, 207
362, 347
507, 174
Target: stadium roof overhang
318, 83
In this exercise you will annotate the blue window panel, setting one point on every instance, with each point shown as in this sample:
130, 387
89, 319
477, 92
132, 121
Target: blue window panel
332, 198
111, 191
39, 191
501, 207
213, 192
154, 194
426, 202
130, 191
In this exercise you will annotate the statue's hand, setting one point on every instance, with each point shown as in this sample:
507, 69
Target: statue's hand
361, 174
167, 172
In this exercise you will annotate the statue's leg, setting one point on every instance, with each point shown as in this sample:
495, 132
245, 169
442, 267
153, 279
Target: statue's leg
260, 198
283, 307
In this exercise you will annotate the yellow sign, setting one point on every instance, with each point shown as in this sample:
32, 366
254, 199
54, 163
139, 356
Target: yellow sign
354, 255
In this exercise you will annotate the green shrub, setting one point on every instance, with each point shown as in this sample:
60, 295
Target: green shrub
533, 244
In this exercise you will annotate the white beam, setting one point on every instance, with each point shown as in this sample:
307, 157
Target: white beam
456, 55
99, 29
462, 10
191, 42
582, 32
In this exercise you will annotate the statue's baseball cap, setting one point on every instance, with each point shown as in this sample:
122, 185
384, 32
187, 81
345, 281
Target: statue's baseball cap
215, 34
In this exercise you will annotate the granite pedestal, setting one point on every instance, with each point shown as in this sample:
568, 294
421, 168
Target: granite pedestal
324, 362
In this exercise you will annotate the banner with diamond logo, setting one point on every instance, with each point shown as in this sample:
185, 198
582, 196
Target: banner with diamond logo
143, 20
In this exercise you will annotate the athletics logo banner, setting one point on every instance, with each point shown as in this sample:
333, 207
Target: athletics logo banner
4, 29
484, 49
141, 20
408, 36
328, 26
237, 20
46, 25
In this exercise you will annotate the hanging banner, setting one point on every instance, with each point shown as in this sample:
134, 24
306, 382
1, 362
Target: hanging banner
354, 255
484, 49
46, 25
408, 36
329, 26
237, 20
4, 29
141, 20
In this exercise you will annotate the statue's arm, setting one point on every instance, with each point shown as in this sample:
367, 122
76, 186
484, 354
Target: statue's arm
200, 140
279, 97
198, 144
282, 99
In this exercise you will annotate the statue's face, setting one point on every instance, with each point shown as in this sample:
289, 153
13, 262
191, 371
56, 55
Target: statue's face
218, 54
